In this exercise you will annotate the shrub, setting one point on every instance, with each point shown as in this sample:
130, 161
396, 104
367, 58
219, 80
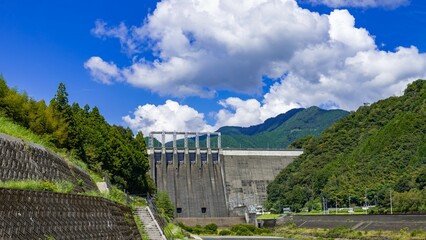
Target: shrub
225, 232
64, 187
244, 232
211, 228
339, 231
184, 227
198, 230
163, 201
249, 227
260, 231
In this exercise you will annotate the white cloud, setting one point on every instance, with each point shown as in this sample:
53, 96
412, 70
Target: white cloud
202, 47
360, 3
128, 40
102, 71
170, 116
237, 112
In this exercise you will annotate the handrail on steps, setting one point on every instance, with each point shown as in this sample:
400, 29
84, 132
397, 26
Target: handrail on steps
162, 222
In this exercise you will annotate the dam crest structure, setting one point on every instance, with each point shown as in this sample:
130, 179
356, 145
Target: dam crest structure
211, 181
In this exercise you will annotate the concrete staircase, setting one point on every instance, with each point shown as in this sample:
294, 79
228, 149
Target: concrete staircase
150, 224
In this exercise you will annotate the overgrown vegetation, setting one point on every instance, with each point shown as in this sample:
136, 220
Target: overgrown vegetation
375, 153
238, 230
165, 205
115, 195
61, 187
81, 133
342, 232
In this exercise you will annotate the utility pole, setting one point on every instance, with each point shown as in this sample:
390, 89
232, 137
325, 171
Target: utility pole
323, 204
390, 197
336, 205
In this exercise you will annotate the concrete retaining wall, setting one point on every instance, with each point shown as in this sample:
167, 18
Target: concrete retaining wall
20, 160
26, 214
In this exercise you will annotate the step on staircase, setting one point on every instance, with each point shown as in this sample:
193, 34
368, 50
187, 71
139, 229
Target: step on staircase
150, 224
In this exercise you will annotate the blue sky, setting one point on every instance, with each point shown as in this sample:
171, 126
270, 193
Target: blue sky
197, 65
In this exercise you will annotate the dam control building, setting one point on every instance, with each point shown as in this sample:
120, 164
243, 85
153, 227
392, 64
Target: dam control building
209, 181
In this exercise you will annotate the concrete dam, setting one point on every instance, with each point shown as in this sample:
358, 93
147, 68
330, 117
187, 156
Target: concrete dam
213, 182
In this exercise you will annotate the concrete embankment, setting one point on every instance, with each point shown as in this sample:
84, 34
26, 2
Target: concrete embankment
21, 160
26, 214
358, 222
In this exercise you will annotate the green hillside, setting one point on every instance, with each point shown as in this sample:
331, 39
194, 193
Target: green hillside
282, 130
269, 125
276, 132
372, 152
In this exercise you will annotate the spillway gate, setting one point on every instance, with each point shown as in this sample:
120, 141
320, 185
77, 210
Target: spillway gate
193, 176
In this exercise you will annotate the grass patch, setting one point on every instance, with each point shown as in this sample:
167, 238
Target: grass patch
342, 232
269, 216
60, 187
137, 201
10, 128
115, 195
238, 230
175, 230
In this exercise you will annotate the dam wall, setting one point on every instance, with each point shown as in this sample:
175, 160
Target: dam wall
206, 182
193, 179
248, 173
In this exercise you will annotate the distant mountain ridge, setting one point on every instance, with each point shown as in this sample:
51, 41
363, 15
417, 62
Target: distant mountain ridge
269, 124
275, 132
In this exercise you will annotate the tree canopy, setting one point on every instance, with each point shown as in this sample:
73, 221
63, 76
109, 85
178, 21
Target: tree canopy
84, 133
375, 150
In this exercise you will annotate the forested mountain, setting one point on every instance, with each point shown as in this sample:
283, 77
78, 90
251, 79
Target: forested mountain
373, 153
279, 131
84, 134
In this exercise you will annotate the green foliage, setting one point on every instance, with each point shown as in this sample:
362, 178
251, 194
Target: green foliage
410, 202
211, 227
278, 132
239, 230
339, 231
164, 204
115, 194
363, 156
243, 229
83, 133
225, 232
269, 216
174, 232
62, 187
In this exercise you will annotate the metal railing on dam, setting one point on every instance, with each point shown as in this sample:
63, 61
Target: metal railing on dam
214, 182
